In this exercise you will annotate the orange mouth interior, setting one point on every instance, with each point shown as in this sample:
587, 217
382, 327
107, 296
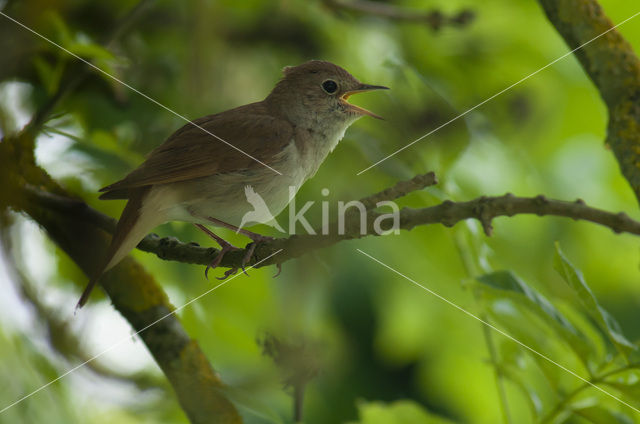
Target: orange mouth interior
355, 108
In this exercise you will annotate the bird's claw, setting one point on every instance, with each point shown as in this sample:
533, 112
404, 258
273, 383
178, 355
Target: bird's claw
250, 250
228, 273
279, 266
216, 261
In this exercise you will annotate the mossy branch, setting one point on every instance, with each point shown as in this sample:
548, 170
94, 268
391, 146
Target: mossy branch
613, 67
133, 291
484, 209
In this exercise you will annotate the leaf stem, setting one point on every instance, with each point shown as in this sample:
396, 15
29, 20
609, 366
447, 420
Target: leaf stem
470, 268
595, 380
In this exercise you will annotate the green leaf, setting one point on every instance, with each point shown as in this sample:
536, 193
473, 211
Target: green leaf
516, 289
48, 74
508, 281
108, 142
62, 33
628, 384
510, 369
598, 342
520, 323
573, 277
598, 415
630, 391
96, 54
89, 51
79, 44
400, 412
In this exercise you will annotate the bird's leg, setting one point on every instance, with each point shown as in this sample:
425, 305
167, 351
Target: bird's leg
253, 236
225, 247
251, 247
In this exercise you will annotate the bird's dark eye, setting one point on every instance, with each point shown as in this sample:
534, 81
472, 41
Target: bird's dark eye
330, 86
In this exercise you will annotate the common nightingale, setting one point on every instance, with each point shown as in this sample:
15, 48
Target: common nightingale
198, 178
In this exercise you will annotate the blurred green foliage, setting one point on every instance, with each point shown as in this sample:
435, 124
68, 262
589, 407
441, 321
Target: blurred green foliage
387, 351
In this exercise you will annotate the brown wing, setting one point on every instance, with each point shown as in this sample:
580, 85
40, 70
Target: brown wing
191, 152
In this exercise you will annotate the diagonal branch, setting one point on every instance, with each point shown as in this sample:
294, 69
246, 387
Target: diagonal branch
60, 334
136, 295
133, 291
613, 67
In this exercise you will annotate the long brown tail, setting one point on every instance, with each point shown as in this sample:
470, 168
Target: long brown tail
127, 235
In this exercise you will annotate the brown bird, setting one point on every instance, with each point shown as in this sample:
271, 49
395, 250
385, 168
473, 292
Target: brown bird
199, 174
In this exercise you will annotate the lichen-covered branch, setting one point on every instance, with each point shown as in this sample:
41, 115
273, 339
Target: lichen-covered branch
613, 67
448, 213
60, 333
133, 291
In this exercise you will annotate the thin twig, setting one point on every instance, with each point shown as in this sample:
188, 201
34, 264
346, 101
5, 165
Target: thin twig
470, 268
400, 189
550, 417
434, 19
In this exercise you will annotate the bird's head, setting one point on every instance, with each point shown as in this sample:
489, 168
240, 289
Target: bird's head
319, 90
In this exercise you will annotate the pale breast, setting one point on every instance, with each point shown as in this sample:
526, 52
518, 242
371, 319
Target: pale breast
317, 142
229, 197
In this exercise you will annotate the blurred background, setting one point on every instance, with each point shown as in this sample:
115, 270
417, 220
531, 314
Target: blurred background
380, 349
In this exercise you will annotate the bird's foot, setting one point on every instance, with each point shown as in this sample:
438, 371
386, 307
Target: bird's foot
279, 266
226, 247
251, 248
229, 272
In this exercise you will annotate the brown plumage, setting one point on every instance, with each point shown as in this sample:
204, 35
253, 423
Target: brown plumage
195, 177
191, 152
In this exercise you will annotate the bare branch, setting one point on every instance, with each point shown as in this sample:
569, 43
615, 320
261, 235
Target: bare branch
60, 334
434, 19
401, 189
448, 213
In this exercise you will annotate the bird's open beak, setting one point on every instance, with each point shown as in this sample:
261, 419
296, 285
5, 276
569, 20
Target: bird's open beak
360, 89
